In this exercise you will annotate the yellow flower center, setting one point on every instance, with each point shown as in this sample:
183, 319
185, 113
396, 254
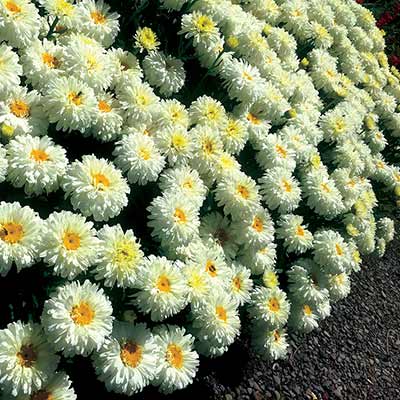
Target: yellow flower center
180, 216
131, 354
11, 232
148, 39
82, 314
75, 98
339, 279
26, 356
339, 125
188, 184
174, 355
253, 119
307, 310
39, 155
237, 283
163, 284
232, 130
104, 106
42, 395
258, 224
63, 7
144, 153
325, 187
221, 313
71, 241
247, 76
13, 7
100, 181
287, 186
299, 231
210, 268
280, 150
270, 279
273, 304
97, 17
339, 250
178, 141
208, 146
243, 192
50, 60
20, 109
125, 253
196, 280
7, 130
204, 24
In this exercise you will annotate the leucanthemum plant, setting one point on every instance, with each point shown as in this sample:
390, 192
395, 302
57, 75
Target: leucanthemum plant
220, 167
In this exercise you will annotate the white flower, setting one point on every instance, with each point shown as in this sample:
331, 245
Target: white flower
10, 69
238, 195
177, 360
270, 306
174, 220
234, 135
270, 344
259, 258
138, 156
216, 319
69, 244
172, 113
77, 318
303, 317
70, 103
96, 188
36, 164
3, 163
209, 112
64, 10
127, 361
22, 111
164, 72
20, 236
126, 68
96, 21
146, 39
162, 288
19, 22
280, 190
241, 283
27, 360
198, 282
118, 257
297, 238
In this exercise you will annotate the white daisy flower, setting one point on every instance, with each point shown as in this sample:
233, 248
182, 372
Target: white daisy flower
338, 285
234, 135
19, 22
177, 360
198, 282
127, 361
42, 62
216, 319
139, 157
270, 344
20, 236
255, 229
23, 111
280, 190
96, 21
10, 69
173, 219
238, 195
259, 258
209, 112
77, 318
126, 68
216, 227
138, 101
118, 257
36, 164
91, 64
96, 188
295, 235
57, 387
172, 113
64, 10
241, 283
331, 252
164, 72
303, 317
109, 120
69, 244
175, 143
70, 103
270, 306
27, 360
162, 288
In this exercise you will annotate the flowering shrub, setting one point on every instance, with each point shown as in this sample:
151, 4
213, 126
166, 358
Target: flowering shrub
181, 169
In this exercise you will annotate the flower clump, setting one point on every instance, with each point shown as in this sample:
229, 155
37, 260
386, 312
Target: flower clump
237, 179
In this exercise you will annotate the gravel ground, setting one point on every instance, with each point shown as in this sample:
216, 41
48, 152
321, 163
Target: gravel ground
354, 355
